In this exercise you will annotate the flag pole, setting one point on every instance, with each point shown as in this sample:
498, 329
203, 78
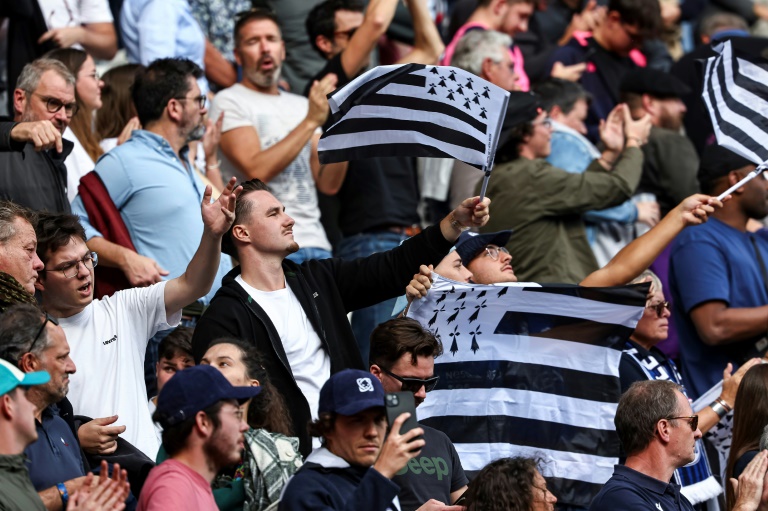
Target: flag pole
749, 177
492, 152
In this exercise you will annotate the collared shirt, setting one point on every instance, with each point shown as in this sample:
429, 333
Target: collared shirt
55, 456
630, 490
159, 200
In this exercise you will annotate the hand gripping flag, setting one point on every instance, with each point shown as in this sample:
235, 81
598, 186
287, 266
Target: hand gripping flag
736, 95
531, 371
415, 110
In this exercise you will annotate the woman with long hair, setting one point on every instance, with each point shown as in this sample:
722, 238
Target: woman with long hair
750, 417
271, 452
510, 484
88, 86
117, 117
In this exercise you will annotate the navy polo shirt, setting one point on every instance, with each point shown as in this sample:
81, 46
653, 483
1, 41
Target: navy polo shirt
55, 456
629, 490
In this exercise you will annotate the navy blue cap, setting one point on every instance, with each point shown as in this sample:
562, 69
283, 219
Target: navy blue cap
471, 243
349, 392
194, 389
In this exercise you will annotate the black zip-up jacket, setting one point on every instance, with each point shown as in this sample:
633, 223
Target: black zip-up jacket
327, 289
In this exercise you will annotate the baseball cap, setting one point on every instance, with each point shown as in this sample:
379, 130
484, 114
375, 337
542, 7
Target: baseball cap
657, 83
717, 161
194, 389
522, 107
351, 391
471, 243
11, 377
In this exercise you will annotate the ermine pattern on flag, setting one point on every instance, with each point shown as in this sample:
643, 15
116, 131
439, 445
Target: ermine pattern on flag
414, 110
532, 371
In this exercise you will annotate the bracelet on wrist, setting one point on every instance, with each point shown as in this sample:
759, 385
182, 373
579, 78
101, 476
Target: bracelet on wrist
725, 405
215, 165
639, 140
63, 493
456, 225
718, 409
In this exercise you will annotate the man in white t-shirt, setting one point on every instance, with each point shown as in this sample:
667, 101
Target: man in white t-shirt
108, 337
272, 135
84, 24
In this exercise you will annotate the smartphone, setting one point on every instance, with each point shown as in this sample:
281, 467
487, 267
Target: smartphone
398, 403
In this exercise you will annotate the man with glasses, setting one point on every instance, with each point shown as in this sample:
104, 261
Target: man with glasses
109, 337
272, 135
610, 52
203, 428
403, 359
658, 432
32, 152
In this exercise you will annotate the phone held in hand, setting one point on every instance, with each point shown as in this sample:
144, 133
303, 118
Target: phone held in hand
398, 403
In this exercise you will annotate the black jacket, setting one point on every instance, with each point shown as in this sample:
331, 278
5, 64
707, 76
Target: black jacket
35, 179
327, 289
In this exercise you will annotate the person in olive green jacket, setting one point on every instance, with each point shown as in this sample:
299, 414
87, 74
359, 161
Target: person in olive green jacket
543, 204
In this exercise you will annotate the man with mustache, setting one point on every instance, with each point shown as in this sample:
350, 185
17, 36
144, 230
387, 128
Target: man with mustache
272, 135
32, 152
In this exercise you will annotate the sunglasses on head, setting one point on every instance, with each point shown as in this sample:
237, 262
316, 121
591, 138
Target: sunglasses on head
414, 384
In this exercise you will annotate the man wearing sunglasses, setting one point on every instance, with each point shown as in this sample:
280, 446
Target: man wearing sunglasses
403, 359
32, 152
658, 431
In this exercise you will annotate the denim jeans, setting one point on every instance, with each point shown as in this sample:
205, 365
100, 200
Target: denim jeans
363, 245
305, 254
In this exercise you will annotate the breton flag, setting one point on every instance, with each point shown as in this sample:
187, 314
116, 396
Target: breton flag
415, 110
736, 94
531, 371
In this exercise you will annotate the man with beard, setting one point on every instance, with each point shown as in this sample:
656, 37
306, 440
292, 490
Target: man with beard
32, 152
670, 160
658, 431
109, 336
718, 276
272, 135
203, 428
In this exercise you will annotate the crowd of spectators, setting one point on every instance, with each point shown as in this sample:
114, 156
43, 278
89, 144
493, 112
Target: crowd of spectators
196, 313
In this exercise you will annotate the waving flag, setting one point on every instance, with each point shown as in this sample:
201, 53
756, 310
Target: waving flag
415, 110
736, 95
531, 371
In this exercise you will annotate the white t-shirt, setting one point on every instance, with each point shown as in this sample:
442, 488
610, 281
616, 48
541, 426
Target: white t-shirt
274, 117
73, 13
108, 340
158, 428
78, 164
310, 363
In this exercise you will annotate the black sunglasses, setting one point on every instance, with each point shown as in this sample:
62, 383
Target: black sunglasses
692, 420
414, 384
659, 308
48, 318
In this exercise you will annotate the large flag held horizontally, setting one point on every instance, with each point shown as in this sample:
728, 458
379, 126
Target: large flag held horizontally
736, 94
531, 371
415, 110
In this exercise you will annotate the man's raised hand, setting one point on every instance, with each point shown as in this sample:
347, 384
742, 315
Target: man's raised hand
218, 216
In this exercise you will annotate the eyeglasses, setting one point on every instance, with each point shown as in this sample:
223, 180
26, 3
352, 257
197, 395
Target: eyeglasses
71, 268
201, 99
659, 308
94, 75
48, 318
237, 412
495, 252
414, 384
692, 420
546, 122
53, 105
349, 33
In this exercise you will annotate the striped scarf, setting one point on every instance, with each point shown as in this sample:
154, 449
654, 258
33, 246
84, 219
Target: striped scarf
698, 484
12, 293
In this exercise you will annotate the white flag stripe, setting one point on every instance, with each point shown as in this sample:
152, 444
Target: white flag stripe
584, 467
339, 96
746, 98
713, 84
406, 114
367, 138
535, 350
525, 404
545, 303
754, 73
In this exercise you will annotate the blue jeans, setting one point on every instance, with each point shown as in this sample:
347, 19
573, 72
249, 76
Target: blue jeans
305, 254
365, 320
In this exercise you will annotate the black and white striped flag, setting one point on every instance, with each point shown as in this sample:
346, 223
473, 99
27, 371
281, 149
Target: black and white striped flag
415, 110
531, 371
736, 95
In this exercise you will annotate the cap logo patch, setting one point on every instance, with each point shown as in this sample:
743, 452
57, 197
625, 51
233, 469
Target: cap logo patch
364, 385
